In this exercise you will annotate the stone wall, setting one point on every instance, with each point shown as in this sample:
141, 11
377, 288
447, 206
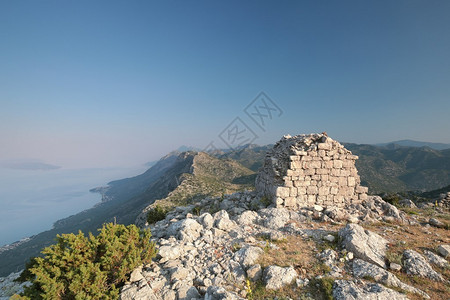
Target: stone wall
307, 170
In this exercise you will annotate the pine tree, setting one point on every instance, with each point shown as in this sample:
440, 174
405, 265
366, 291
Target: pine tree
88, 267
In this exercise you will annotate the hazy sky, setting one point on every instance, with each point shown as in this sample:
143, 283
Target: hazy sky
106, 83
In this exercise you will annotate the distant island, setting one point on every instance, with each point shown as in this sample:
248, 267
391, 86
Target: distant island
28, 166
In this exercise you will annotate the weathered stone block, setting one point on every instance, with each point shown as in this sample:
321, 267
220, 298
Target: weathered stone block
323, 171
293, 192
324, 146
288, 183
362, 197
290, 201
315, 164
334, 190
309, 172
324, 190
361, 189
301, 190
282, 192
337, 164
351, 181
312, 190
312, 199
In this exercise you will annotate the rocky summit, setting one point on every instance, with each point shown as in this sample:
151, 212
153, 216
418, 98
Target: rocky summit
273, 243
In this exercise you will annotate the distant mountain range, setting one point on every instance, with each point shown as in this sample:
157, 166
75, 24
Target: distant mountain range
411, 143
394, 168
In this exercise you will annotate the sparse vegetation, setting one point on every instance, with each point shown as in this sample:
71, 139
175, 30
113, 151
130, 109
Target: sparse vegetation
156, 214
394, 257
88, 267
266, 201
197, 210
325, 287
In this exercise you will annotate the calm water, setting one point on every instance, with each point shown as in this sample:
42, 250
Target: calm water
31, 201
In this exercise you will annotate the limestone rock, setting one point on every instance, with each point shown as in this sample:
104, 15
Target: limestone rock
186, 229
207, 220
274, 218
247, 218
436, 223
276, 277
222, 221
407, 203
415, 264
170, 252
187, 293
364, 244
444, 250
179, 273
139, 291
436, 259
395, 267
248, 255
136, 275
238, 274
363, 269
349, 290
219, 293
254, 273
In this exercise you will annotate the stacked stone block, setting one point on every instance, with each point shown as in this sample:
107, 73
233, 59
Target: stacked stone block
444, 200
308, 170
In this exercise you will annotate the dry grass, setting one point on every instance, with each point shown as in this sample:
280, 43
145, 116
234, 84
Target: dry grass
294, 251
418, 238
299, 253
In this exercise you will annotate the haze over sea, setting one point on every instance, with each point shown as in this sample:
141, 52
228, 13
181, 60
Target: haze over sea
32, 200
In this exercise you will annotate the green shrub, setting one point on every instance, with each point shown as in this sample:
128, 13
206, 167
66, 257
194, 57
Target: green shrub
197, 210
393, 199
88, 267
156, 214
325, 286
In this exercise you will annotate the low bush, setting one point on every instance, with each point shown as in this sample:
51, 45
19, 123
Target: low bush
156, 214
88, 267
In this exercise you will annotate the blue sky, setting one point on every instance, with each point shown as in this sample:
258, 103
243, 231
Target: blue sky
107, 83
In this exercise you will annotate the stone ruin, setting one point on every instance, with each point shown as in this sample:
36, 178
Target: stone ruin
444, 200
307, 170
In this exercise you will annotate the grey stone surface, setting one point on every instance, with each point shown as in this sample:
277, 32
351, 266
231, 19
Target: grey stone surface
222, 221
248, 255
436, 223
363, 269
364, 244
254, 273
247, 218
275, 218
276, 277
395, 267
436, 259
415, 264
349, 290
219, 293
444, 250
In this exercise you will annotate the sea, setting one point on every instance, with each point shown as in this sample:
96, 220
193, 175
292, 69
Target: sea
32, 200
